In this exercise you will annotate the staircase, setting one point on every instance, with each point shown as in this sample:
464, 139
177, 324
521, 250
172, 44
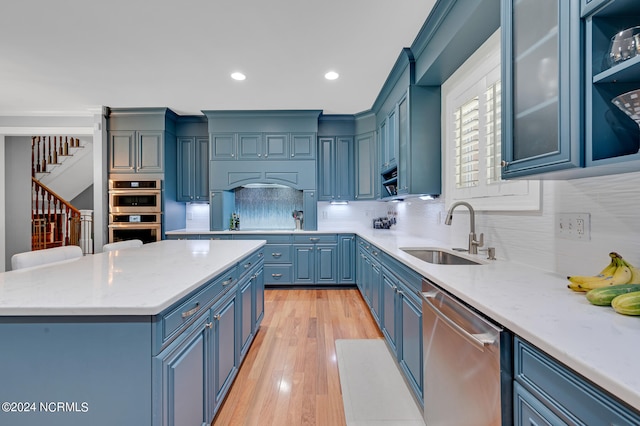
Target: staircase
55, 222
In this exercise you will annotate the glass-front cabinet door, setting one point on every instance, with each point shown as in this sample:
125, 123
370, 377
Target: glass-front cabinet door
541, 86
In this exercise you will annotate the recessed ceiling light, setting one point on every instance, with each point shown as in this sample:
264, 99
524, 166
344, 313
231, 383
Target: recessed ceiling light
331, 75
238, 76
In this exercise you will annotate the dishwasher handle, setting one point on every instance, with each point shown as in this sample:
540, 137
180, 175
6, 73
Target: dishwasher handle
479, 341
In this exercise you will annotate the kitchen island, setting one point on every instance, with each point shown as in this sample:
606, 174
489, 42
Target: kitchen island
145, 336
535, 305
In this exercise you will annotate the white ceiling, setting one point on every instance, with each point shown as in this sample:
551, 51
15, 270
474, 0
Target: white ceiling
70, 55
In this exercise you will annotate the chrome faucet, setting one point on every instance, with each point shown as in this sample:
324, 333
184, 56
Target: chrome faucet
473, 243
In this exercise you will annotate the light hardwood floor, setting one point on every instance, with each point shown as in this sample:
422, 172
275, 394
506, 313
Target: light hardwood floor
290, 374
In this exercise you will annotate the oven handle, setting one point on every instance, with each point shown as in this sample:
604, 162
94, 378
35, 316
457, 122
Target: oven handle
479, 341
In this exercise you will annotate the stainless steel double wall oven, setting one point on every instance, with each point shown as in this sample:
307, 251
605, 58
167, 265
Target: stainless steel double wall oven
135, 210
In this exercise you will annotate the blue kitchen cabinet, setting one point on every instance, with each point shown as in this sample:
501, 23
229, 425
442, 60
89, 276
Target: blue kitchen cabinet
546, 389
136, 151
365, 167
346, 256
250, 146
245, 297
389, 311
225, 346
315, 259
310, 209
370, 277
258, 300
193, 169
336, 179
542, 124
410, 348
612, 137
223, 146
184, 367
409, 138
263, 146
303, 146
388, 141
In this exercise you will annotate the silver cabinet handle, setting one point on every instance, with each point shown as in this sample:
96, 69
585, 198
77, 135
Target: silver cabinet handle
276, 254
227, 282
190, 312
314, 239
209, 325
247, 265
276, 275
216, 317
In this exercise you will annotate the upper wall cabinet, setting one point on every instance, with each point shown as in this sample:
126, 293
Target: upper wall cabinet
542, 126
335, 169
408, 118
570, 89
193, 169
263, 135
140, 139
612, 95
136, 151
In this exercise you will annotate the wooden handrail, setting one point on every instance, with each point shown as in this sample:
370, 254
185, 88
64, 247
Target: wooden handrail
48, 229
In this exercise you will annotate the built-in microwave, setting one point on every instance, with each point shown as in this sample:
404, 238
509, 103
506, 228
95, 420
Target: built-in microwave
135, 197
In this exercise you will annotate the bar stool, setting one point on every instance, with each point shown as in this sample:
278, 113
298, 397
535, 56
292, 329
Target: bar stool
45, 256
119, 245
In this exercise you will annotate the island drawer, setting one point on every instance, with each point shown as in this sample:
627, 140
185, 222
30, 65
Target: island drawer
182, 315
567, 394
278, 253
278, 274
246, 264
315, 238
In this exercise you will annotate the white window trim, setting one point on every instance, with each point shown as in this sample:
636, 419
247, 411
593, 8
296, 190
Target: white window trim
511, 195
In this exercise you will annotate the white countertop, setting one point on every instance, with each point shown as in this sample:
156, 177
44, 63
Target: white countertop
137, 281
595, 341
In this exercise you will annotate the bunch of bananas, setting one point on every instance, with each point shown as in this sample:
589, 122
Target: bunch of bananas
619, 271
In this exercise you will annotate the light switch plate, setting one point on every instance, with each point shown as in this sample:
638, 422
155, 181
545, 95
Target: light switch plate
574, 226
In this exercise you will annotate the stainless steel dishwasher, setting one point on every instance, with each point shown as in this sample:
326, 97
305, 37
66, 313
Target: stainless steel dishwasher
465, 383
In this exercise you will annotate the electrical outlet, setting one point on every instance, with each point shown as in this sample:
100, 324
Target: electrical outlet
574, 226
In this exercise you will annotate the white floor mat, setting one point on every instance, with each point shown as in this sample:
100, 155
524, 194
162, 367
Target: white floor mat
373, 391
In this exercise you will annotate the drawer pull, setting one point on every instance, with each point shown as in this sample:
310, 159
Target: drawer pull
209, 325
276, 275
276, 254
190, 312
314, 239
247, 265
260, 254
227, 282
216, 317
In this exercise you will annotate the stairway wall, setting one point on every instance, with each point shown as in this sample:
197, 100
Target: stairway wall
74, 175
17, 196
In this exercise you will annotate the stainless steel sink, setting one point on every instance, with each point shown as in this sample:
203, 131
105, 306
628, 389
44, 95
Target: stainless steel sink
439, 257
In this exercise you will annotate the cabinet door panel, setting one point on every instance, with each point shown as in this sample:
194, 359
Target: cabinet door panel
150, 157
122, 152
411, 359
365, 153
276, 146
246, 322
326, 174
223, 146
541, 56
184, 384
389, 309
326, 264
344, 177
303, 264
225, 365
186, 162
201, 171
250, 146
303, 146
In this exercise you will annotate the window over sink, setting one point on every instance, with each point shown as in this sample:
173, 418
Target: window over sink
472, 135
